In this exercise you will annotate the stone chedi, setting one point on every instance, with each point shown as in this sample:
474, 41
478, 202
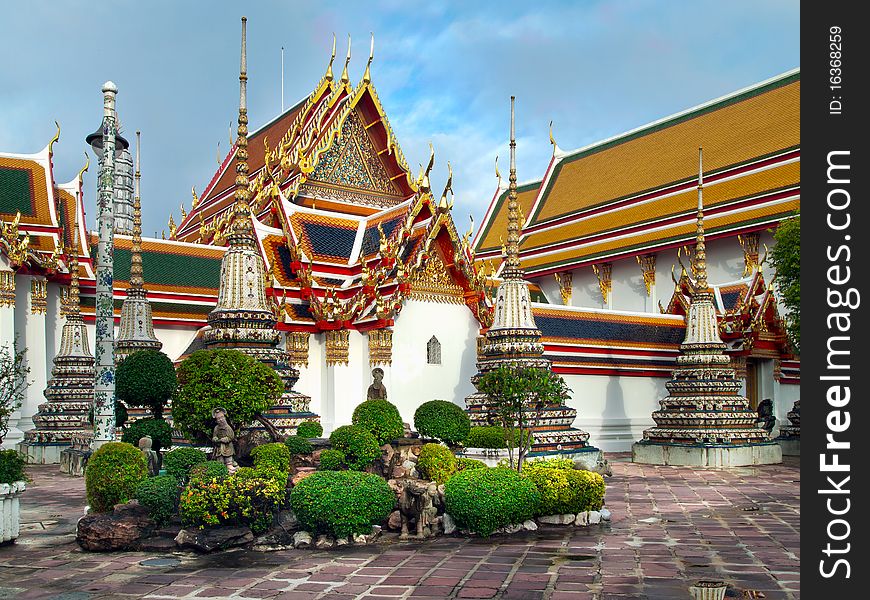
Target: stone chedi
704, 421
244, 318
136, 330
514, 340
70, 391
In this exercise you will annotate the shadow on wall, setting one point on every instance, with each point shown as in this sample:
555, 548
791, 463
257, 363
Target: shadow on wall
614, 402
467, 369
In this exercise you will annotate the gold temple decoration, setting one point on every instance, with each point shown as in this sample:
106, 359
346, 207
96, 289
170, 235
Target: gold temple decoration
749, 245
172, 227
297, 347
481, 345
54, 139
777, 369
64, 300
337, 347
565, 290
605, 283
7, 289
434, 284
38, 296
647, 264
183, 212
17, 244
195, 201
380, 347
738, 363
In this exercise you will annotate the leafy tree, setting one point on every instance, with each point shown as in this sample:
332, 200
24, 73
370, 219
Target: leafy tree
242, 385
517, 399
146, 378
786, 259
13, 384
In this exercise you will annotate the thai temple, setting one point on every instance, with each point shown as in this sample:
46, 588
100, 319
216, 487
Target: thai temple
316, 248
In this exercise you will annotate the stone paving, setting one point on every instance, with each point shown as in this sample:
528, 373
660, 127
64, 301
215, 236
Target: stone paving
672, 526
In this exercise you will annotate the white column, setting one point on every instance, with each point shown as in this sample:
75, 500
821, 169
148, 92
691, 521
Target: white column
7, 341
30, 325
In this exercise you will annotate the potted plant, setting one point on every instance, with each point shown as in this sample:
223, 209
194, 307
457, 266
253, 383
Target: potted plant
13, 384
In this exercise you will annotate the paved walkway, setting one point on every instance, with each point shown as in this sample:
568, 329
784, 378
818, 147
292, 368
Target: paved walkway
671, 526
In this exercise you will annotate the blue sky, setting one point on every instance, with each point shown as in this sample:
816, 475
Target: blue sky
443, 70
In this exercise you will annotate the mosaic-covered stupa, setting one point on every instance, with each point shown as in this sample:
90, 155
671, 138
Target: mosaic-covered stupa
704, 421
514, 340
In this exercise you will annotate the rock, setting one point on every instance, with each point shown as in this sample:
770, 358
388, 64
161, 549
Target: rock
213, 538
530, 525
509, 529
121, 529
395, 521
360, 539
399, 472
582, 519
448, 524
605, 514
301, 539
414, 474
387, 453
650, 520
341, 542
594, 517
324, 542
287, 521
407, 429
557, 519
302, 473
409, 464
315, 456
415, 450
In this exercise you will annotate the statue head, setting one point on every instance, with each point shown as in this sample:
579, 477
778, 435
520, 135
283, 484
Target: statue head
220, 415
145, 442
378, 374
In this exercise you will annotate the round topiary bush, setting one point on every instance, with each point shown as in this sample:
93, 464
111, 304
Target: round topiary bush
156, 428
210, 469
341, 503
298, 445
443, 421
381, 418
331, 460
112, 474
565, 490
359, 446
482, 500
208, 379
436, 462
11, 466
463, 463
160, 496
491, 437
146, 378
309, 429
179, 462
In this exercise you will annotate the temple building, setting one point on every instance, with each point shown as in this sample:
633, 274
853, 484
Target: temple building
363, 265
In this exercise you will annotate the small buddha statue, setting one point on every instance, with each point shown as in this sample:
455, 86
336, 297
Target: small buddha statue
223, 437
377, 390
145, 446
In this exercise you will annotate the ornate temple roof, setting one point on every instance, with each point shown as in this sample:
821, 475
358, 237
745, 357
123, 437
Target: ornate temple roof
634, 193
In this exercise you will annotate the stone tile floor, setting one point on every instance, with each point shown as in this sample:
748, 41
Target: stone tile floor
671, 526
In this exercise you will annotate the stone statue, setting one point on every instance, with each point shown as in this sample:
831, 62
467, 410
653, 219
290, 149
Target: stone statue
151, 456
223, 438
377, 390
418, 504
766, 420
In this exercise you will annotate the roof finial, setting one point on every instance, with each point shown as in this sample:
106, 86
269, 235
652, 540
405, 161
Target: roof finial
72, 306
700, 266
497, 174
136, 280
345, 78
54, 139
242, 194
367, 75
553, 140
329, 75
84, 169
512, 267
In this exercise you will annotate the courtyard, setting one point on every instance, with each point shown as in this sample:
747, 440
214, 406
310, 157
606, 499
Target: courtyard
671, 527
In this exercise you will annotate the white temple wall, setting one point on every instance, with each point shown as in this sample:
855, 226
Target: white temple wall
312, 379
614, 409
346, 384
175, 338
786, 394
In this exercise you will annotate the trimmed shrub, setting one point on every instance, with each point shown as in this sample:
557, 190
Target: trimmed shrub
565, 490
210, 469
239, 499
486, 437
463, 463
331, 460
436, 463
381, 418
309, 429
272, 461
178, 462
443, 421
146, 378
160, 496
341, 503
482, 500
298, 445
112, 474
12, 466
359, 446
158, 429
207, 379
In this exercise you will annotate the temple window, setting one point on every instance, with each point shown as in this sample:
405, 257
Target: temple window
433, 351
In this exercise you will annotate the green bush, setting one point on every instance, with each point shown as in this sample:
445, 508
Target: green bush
341, 503
178, 462
208, 379
482, 500
210, 469
146, 378
564, 489
331, 460
240, 499
156, 428
490, 436
160, 496
298, 445
11, 466
112, 474
381, 418
359, 446
272, 461
436, 463
309, 429
463, 463
443, 421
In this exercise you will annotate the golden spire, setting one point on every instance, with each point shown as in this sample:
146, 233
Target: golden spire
54, 139
345, 78
367, 75
700, 258
512, 267
329, 75
242, 223
136, 280
72, 307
